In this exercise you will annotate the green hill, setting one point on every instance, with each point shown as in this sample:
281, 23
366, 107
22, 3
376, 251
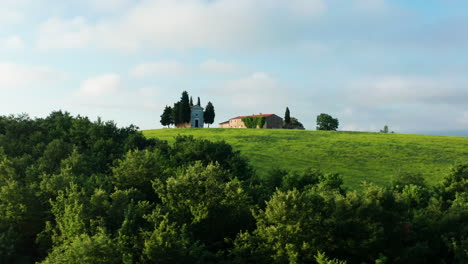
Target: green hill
357, 157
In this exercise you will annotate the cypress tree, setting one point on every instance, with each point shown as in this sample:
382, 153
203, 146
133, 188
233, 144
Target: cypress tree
198, 103
185, 110
191, 101
287, 117
176, 113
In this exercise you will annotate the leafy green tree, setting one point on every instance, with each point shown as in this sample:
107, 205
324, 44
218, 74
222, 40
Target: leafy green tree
138, 168
198, 102
96, 249
294, 124
191, 101
384, 130
167, 116
327, 122
187, 150
209, 114
321, 258
170, 243
287, 117
72, 190
13, 211
403, 179
290, 228
215, 208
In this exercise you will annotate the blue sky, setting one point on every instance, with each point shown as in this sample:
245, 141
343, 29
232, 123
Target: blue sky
367, 62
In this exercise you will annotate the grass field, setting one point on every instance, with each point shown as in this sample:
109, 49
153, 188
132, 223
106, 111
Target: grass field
357, 157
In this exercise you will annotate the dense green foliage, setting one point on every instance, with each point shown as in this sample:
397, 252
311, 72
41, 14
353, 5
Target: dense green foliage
327, 122
167, 116
357, 157
209, 114
254, 121
184, 109
181, 111
76, 191
291, 122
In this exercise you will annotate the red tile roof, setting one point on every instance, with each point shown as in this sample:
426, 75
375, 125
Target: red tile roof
240, 117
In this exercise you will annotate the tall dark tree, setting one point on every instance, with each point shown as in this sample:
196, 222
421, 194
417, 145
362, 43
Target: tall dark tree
191, 101
176, 113
327, 122
287, 117
209, 114
167, 116
184, 111
198, 103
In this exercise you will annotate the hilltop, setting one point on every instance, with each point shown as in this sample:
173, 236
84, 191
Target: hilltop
356, 156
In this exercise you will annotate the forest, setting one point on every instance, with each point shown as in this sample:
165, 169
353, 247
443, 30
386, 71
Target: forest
74, 190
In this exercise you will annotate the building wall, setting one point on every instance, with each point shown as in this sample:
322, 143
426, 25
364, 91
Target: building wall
197, 114
273, 121
236, 123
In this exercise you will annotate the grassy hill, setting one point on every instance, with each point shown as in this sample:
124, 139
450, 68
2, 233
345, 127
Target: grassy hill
357, 157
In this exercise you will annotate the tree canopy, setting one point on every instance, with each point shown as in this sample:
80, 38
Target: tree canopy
287, 117
167, 117
209, 114
291, 122
77, 191
327, 122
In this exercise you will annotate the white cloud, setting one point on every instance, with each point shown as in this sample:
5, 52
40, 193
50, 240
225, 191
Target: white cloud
178, 69
101, 85
162, 68
12, 43
187, 24
399, 89
16, 75
12, 11
147, 92
220, 67
58, 33
257, 92
108, 5
10, 16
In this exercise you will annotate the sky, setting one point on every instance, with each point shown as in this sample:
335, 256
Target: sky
368, 63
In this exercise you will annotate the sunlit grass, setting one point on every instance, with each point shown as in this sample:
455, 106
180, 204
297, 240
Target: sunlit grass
357, 157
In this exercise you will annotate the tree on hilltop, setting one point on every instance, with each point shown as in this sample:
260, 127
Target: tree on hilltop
327, 122
181, 110
209, 114
291, 122
185, 107
167, 116
287, 117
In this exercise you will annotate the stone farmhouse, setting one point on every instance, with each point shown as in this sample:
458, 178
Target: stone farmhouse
272, 121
